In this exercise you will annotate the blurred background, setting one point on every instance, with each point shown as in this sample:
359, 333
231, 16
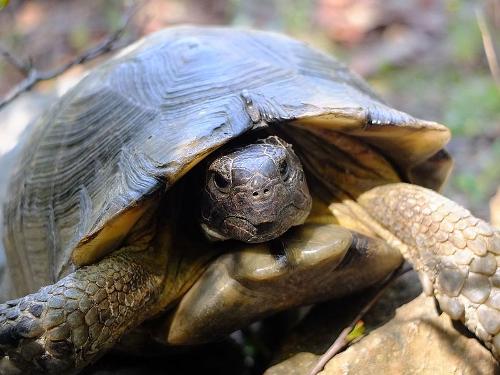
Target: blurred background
436, 59
426, 57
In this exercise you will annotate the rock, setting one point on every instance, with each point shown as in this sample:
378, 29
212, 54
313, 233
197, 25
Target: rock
324, 323
300, 364
418, 340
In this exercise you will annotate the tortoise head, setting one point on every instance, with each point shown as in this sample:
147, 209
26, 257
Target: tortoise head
254, 193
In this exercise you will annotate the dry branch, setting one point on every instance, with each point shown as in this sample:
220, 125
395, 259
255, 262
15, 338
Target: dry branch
489, 48
33, 75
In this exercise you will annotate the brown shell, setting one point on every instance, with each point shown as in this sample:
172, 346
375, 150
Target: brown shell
133, 126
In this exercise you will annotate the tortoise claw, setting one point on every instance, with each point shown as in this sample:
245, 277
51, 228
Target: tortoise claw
23, 333
64, 326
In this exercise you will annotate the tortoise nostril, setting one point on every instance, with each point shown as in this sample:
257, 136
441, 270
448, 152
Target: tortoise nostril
259, 192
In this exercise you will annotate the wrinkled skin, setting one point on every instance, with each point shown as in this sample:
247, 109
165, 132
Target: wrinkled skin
254, 193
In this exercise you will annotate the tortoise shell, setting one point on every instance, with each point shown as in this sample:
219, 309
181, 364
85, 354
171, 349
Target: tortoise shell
104, 153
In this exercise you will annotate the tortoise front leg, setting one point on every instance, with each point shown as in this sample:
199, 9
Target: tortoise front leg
457, 255
64, 326
310, 263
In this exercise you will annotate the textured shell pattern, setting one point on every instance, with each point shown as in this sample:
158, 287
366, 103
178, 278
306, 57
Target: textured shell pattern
134, 125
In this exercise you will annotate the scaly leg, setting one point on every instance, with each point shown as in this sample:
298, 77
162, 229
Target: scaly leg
64, 326
456, 254
311, 263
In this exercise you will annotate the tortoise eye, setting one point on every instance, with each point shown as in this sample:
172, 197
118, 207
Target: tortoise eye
284, 169
220, 181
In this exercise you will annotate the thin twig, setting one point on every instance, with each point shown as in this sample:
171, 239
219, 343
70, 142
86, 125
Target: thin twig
341, 341
23, 67
489, 49
33, 76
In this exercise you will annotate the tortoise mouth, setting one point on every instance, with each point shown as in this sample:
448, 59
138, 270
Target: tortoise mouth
265, 227
242, 229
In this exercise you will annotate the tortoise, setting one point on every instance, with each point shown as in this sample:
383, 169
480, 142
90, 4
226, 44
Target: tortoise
204, 178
